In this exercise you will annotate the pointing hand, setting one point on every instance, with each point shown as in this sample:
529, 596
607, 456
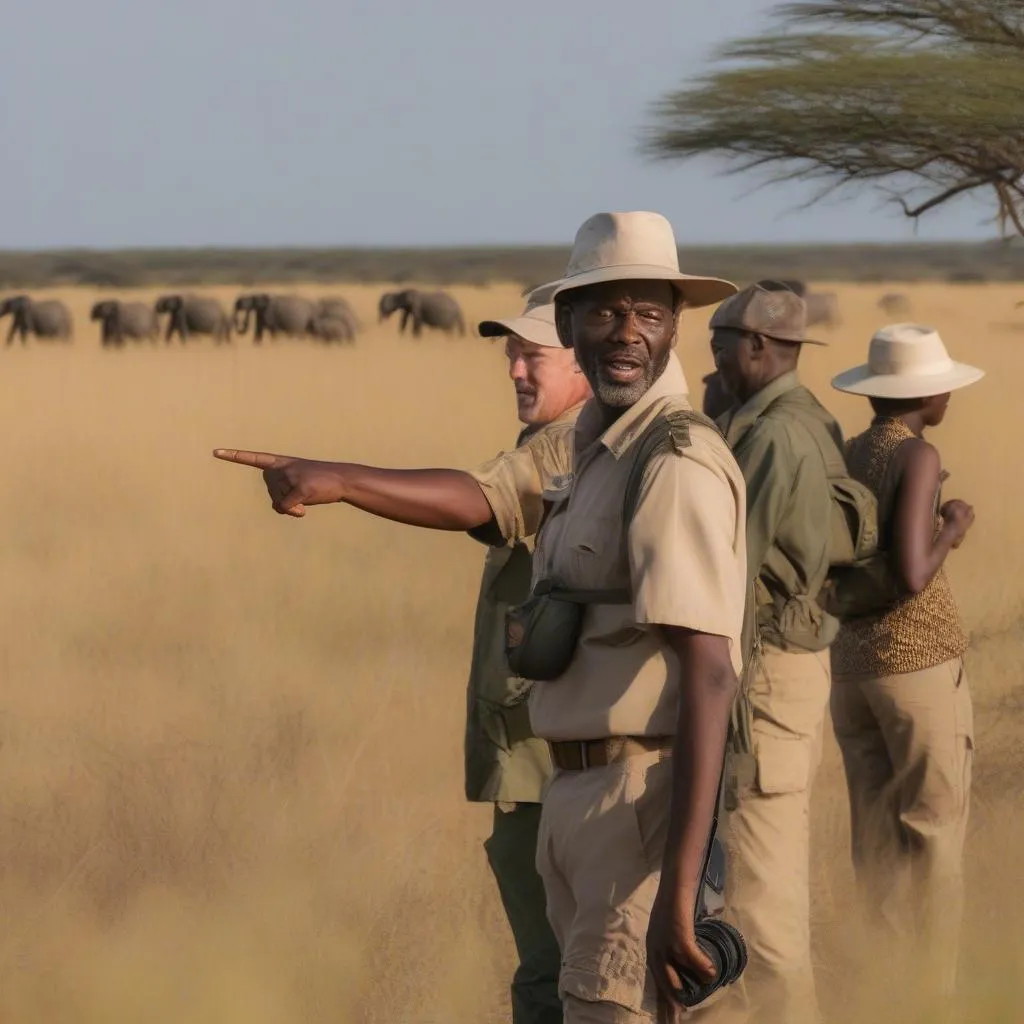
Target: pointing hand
291, 483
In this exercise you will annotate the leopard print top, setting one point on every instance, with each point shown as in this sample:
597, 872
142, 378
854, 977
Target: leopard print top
919, 631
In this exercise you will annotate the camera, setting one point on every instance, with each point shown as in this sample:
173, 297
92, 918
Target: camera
721, 942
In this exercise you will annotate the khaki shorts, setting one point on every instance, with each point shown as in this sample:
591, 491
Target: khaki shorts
602, 838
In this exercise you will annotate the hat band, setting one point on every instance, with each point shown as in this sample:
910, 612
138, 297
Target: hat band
894, 369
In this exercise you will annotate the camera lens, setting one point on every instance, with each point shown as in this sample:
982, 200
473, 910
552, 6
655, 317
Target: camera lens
726, 949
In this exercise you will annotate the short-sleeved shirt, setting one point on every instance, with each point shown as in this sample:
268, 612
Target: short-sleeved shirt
504, 761
683, 558
789, 506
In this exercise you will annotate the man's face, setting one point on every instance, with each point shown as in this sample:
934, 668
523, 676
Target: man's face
548, 381
622, 333
734, 361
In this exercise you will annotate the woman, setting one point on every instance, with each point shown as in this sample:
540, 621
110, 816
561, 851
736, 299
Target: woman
900, 700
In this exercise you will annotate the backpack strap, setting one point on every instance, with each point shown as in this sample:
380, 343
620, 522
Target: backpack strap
670, 432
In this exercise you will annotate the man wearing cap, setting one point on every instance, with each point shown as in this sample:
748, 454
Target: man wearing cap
505, 765
756, 340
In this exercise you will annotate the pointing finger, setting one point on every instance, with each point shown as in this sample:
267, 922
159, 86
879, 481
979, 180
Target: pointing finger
259, 460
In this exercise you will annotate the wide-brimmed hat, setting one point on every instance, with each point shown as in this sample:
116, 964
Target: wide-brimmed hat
536, 323
631, 246
906, 361
774, 313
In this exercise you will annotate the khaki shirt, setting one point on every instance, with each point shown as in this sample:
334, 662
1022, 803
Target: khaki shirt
683, 557
503, 759
788, 512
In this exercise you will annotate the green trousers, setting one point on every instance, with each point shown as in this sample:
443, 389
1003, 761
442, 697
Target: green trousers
511, 851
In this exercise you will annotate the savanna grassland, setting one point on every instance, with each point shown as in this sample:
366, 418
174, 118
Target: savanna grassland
230, 742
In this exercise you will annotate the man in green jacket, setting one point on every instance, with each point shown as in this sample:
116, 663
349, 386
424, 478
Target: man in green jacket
771, 428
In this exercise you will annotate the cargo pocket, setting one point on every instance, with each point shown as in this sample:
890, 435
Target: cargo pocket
648, 790
783, 762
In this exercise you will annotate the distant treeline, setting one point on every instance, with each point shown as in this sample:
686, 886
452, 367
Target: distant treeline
137, 268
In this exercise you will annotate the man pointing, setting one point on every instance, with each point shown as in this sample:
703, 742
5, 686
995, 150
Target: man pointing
505, 764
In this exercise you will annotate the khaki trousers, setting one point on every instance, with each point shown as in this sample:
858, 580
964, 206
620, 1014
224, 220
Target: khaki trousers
768, 842
602, 837
908, 749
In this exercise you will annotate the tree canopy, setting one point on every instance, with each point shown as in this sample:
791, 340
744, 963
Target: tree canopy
921, 98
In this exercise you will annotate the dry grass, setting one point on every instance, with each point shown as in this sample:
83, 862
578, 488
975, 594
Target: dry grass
230, 743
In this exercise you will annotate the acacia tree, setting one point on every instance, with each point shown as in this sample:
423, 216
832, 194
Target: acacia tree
923, 99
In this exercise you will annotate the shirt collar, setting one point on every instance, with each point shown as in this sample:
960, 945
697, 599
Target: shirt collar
631, 424
737, 422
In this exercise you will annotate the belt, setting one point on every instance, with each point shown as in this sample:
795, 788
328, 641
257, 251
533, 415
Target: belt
577, 755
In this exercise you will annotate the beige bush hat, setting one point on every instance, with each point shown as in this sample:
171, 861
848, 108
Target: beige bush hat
779, 314
906, 361
536, 323
631, 246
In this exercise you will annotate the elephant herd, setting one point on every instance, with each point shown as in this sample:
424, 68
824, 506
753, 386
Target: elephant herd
330, 320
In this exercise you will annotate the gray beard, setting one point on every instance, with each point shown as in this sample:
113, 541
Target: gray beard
622, 396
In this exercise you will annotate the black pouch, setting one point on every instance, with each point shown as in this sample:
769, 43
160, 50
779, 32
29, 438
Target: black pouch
541, 634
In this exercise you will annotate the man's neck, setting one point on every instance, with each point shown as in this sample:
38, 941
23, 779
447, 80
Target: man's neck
775, 374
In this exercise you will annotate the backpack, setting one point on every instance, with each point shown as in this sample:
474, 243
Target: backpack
859, 581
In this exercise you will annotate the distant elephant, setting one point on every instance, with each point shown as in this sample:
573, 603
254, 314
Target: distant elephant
894, 304
193, 314
435, 309
47, 319
331, 328
340, 309
822, 308
120, 320
290, 315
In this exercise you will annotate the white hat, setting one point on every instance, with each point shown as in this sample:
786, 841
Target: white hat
536, 323
631, 246
906, 361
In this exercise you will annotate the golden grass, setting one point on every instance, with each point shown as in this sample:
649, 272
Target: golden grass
230, 742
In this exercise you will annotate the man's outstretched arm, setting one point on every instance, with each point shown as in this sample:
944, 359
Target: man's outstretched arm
437, 499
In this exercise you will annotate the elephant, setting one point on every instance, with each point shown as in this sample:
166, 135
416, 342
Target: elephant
435, 309
340, 309
120, 320
894, 304
290, 315
193, 314
331, 328
47, 319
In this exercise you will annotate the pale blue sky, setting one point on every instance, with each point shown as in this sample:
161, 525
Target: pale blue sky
308, 122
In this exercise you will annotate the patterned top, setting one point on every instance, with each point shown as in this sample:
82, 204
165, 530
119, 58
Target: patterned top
919, 631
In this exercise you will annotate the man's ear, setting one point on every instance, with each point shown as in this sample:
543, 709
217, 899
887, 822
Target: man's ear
758, 345
563, 324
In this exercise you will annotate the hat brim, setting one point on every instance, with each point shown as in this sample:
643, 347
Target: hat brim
862, 381
529, 328
695, 291
791, 338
